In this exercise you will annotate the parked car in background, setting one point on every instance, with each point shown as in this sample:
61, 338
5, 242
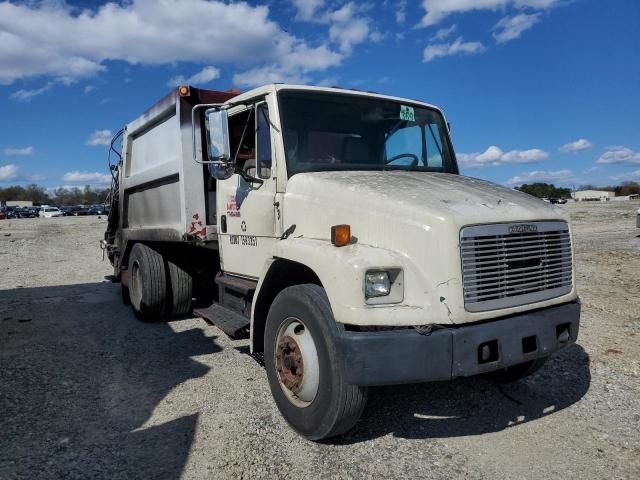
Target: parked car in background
10, 212
49, 212
26, 212
66, 210
80, 210
561, 201
3, 215
638, 219
97, 210
75, 210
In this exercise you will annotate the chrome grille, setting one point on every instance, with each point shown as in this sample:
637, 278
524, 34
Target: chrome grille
504, 265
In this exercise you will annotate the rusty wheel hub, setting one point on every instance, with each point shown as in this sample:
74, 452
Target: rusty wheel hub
289, 364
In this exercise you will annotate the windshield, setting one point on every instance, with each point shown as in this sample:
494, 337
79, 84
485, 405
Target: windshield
326, 131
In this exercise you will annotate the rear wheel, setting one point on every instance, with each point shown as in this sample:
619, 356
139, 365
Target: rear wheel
147, 283
180, 291
305, 377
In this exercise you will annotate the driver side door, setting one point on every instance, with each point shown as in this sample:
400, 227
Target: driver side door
246, 211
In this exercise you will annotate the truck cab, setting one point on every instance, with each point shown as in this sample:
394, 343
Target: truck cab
334, 225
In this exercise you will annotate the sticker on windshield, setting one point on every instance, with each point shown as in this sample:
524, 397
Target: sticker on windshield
407, 113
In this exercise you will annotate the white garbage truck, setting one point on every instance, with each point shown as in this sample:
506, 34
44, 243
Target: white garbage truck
333, 228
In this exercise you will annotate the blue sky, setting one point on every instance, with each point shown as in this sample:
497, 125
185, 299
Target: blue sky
535, 90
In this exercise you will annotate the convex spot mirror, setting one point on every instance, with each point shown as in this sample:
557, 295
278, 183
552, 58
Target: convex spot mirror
217, 125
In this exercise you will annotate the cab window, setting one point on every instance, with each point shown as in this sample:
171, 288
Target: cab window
263, 134
404, 147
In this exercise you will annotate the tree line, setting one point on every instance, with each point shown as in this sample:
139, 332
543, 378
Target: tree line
549, 190
60, 196
544, 190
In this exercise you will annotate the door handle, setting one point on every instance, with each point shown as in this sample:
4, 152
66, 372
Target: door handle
223, 223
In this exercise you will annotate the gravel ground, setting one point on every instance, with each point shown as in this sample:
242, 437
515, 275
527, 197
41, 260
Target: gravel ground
86, 390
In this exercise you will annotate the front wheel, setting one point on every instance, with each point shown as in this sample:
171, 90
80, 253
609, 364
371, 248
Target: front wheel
305, 377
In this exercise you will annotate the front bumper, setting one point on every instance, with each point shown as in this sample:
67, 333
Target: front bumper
407, 356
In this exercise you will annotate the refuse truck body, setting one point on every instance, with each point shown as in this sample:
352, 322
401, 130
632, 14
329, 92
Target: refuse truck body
333, 228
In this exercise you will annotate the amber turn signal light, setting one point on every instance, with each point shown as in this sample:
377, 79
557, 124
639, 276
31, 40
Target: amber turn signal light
184, 91
341, 235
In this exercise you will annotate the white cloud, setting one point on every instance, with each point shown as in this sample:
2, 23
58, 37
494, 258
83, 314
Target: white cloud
42, 38
619, 154
8, 172
87, 177
23, 95
377, 37
494, 156
89, 88
437, 10
306, 9
444, 49
100, 137
444, 32
205, 75
510, 28
343, 14
577, 146
348, 29
269, 74
292, 69
348, 34
541, 176
18, 152
401, 12
627, 177
328, 81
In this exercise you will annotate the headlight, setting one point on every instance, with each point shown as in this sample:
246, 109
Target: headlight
377, 284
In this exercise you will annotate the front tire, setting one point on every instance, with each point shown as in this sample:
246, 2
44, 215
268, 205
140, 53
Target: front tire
147, 283
304, 374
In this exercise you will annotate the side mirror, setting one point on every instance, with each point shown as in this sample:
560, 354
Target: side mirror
221, 166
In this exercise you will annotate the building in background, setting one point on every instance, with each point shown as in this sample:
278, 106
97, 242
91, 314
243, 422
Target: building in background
19, 203
634, 196
592, 195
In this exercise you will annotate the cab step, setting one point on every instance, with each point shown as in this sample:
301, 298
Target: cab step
231, 323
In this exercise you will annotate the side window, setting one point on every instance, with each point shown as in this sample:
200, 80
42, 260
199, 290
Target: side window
264, 142
434, 145
241, 138
405, 146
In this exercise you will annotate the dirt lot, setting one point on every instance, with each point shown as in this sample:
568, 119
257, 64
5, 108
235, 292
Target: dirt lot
88, 391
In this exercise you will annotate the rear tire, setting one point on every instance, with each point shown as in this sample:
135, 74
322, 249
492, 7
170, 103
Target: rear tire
304, 374
517, 372
180, 291
147, 283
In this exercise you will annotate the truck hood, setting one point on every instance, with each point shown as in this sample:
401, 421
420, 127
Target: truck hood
405, 220
416, 197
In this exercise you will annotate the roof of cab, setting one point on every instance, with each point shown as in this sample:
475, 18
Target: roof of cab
276, 87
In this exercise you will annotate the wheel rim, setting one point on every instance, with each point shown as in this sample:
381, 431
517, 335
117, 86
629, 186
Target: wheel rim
135, 291
296, 361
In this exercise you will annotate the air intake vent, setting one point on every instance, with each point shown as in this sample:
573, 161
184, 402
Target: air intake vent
506, 265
